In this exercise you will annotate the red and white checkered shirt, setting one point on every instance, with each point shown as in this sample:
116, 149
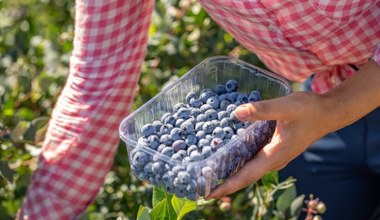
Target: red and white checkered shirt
293, 38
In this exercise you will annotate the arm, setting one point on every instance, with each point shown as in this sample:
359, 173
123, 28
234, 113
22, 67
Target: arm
109, 48
296, 129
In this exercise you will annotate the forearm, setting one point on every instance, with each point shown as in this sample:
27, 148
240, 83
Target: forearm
109, 48
353, 98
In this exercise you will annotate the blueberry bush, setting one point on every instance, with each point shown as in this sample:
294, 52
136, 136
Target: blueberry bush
36, 39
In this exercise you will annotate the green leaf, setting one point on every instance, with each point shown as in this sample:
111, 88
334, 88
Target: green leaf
143, 213
35, 126
6, 172
296, 206
183, 206
270, 179
18, 131
159, 211
158, 196
285, 199
278, 189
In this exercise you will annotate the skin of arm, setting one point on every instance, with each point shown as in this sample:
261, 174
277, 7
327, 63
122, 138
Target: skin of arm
302, 118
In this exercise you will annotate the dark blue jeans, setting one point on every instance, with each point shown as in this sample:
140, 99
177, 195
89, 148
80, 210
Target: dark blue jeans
343, 170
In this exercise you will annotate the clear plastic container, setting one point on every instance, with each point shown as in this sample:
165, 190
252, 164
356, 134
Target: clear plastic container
195, 180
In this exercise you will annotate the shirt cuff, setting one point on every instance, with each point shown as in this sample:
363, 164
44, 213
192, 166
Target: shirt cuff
376, 54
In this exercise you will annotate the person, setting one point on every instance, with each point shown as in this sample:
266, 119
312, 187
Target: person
327, 40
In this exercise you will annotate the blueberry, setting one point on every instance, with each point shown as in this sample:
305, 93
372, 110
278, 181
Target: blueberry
196, 156
170, 120
199, 126
220, 89
177, 106
233, 116
207, 171
235, 137
201, 118
148, 169
191, 120
226, 141
193, 171
191, 186
139, 159
183, 177
195, 102
243, 98
209, 137
216, 143
187, 128
153, 141
157, 125
208, 127
225, 122
206, 151
191, 149
200, 135
195, 112
164, 116
143, 141
142, 176
223, 97
224, 104
213, 101
168, 178
183, 113
179, 122
179, 145
205, 107
231, 108
155, 180
182, 153
254, 96
148, 129
222, 114
211, 114
180, 192
189, 96
166, 129
161, 147
168, 151
233, 96
192, 195
191, 139
239, 124
228, 132
232, 85
218, 133
177, 157
175, 134
177, 168
186, 159
206, 95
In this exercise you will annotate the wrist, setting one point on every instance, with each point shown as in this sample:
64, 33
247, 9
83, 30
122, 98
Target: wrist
355, 97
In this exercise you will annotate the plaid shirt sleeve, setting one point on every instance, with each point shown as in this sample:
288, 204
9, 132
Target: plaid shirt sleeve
109, 48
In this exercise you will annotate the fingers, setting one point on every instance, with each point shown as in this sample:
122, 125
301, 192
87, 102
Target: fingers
249, 173
273, 109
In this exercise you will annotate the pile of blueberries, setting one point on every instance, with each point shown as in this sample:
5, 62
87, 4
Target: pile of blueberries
200, 143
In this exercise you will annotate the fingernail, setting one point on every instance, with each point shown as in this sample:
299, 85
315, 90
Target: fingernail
242, 112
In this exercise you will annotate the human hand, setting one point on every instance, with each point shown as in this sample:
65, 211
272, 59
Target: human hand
301, 119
